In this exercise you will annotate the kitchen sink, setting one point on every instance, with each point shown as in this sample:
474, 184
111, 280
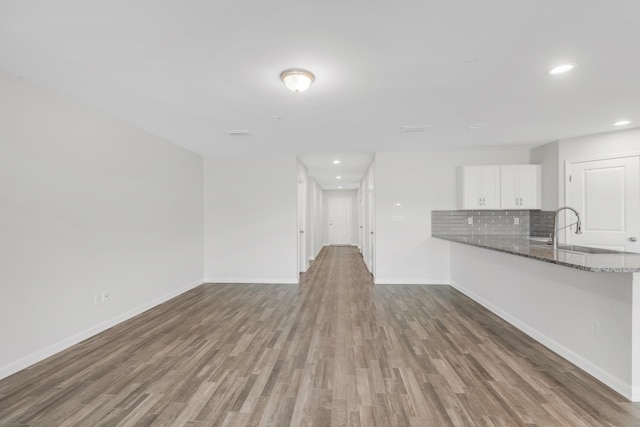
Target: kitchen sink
587, 250
538, 241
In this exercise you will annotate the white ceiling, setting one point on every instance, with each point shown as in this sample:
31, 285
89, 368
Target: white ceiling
189, 70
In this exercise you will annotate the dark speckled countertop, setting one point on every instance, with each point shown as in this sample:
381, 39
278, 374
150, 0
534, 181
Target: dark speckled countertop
538, 250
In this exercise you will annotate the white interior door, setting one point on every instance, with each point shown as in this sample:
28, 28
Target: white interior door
339, 221
302, 217
607, 195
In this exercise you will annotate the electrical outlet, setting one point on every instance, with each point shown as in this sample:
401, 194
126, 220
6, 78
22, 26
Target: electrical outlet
516, 221
470, 220
595, 328
105, 296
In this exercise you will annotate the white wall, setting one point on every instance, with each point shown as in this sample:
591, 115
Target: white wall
547, 156
422, 182
251, 219
556, 305
87, 203
341, 194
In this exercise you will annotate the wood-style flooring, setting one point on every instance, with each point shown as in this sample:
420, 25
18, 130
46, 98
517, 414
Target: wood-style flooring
335, 350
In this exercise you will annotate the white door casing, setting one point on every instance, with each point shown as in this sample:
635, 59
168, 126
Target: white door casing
607, 195
340, 226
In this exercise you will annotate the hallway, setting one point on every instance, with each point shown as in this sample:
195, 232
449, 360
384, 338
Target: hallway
335, 350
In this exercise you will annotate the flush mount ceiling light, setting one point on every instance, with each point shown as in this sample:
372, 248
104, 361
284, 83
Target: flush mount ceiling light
622, 123
296, 79
336, 162
561, 69
338, 177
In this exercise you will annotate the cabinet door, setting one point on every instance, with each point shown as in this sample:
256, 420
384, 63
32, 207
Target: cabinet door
509, 195
471, 187
490, 192
529, 185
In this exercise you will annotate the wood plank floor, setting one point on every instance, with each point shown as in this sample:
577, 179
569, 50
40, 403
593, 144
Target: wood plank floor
334, 351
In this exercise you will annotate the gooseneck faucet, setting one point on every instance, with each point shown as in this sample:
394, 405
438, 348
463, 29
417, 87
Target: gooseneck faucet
554, 235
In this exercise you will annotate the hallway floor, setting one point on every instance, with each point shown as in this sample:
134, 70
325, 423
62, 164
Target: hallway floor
335, 350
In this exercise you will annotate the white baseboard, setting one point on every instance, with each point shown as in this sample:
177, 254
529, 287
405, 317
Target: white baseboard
252, 280
612, 381
411, 281
64, 344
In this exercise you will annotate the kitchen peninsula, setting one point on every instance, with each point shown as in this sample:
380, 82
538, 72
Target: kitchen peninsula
585, 307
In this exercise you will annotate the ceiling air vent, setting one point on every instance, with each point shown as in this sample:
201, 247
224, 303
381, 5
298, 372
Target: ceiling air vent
414, 128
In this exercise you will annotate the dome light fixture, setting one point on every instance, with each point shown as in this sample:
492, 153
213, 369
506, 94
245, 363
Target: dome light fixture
296, 79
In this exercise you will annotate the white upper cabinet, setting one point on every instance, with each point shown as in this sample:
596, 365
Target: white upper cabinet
479, 187
520, 187
499, 187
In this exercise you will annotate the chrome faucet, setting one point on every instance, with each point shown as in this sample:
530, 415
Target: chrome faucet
553, 238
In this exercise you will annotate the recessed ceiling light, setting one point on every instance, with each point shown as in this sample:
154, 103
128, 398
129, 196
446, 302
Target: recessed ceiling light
622, 123
296, 79
336, 162
339, 187
338, 177
560, 69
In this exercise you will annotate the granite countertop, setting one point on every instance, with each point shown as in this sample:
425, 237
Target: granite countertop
535, 249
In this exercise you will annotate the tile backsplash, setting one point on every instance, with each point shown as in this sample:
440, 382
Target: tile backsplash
487, 222
541, 223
